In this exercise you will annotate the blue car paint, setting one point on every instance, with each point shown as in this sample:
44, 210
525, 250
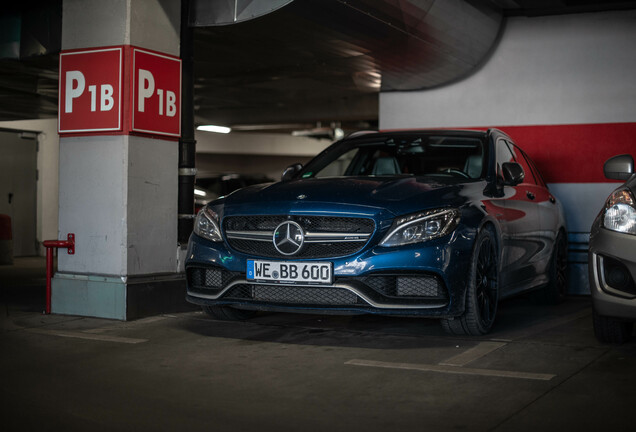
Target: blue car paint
447, 256
361, 195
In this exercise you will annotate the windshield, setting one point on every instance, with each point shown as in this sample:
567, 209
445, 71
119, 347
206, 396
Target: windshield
409, 155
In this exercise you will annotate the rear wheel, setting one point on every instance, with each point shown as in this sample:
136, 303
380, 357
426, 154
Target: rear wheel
482, 294
228, 313
611, 330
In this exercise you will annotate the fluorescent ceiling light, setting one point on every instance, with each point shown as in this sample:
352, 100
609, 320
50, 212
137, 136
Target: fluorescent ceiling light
212, 128
200, 192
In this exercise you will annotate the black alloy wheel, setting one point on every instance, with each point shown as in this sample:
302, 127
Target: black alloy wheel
482, 294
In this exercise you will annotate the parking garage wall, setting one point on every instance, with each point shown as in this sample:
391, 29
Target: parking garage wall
47, 179
563, 87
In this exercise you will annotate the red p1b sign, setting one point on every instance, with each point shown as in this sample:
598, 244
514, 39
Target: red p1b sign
156, 93
119, 90
90, 91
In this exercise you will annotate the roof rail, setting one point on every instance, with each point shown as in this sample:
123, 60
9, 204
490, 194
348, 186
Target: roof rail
362, 132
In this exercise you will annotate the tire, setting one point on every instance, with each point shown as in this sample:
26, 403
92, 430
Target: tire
610, 330
228, 313
554, 292
482, 293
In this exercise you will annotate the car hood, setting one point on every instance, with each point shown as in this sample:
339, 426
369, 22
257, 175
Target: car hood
366, 196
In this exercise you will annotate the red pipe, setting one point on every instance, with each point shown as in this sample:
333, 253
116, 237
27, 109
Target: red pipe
49, 245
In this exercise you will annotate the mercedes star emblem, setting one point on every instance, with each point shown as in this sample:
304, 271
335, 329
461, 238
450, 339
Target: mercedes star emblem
288, 238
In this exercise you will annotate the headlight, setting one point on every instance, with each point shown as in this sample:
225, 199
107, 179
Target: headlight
620, 212
421, 227
206, 225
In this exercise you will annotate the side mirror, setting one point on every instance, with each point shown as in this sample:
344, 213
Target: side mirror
291, 171
619, 167
513, 173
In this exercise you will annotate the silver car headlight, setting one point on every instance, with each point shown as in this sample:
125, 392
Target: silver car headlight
419, 227
206, 225
620, 212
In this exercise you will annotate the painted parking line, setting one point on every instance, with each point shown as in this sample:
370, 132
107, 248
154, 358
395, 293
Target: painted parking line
88, 336
472, 354
452, 370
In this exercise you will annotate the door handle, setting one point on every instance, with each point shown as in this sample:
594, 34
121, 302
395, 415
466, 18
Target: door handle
530, 195
10, 197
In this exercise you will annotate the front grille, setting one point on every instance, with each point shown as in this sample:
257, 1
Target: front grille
415, 286
406, 289
309, 223
209, 280
325, 237
311, 250
303, 295
288, 294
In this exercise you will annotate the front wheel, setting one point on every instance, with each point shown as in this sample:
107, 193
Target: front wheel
482, 294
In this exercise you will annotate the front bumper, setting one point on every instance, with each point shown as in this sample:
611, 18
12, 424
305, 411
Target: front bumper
425, 279
612, 272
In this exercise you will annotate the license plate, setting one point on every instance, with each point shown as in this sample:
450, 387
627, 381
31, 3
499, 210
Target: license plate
316, 273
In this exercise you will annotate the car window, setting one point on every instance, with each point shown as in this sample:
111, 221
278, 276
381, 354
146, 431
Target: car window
521, 160
537, 175
503, 153
339, 166
418, 155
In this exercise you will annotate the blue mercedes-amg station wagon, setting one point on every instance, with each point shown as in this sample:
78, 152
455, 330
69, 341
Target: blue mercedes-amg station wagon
439, 224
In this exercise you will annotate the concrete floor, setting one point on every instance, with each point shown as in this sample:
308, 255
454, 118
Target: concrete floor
540, 369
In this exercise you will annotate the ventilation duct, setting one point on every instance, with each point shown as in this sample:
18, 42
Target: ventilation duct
223, 12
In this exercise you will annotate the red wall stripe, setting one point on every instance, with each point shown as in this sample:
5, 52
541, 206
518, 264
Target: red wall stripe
574, 153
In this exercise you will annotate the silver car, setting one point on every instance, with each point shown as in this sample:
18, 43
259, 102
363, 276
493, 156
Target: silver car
612, 256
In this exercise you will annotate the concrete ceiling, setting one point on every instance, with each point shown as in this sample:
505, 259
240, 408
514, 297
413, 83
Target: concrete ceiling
309, 65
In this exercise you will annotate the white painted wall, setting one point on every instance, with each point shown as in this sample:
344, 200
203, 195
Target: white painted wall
565, 69
47, 165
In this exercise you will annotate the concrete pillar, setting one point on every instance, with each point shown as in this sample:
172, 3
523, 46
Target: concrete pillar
118, 193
